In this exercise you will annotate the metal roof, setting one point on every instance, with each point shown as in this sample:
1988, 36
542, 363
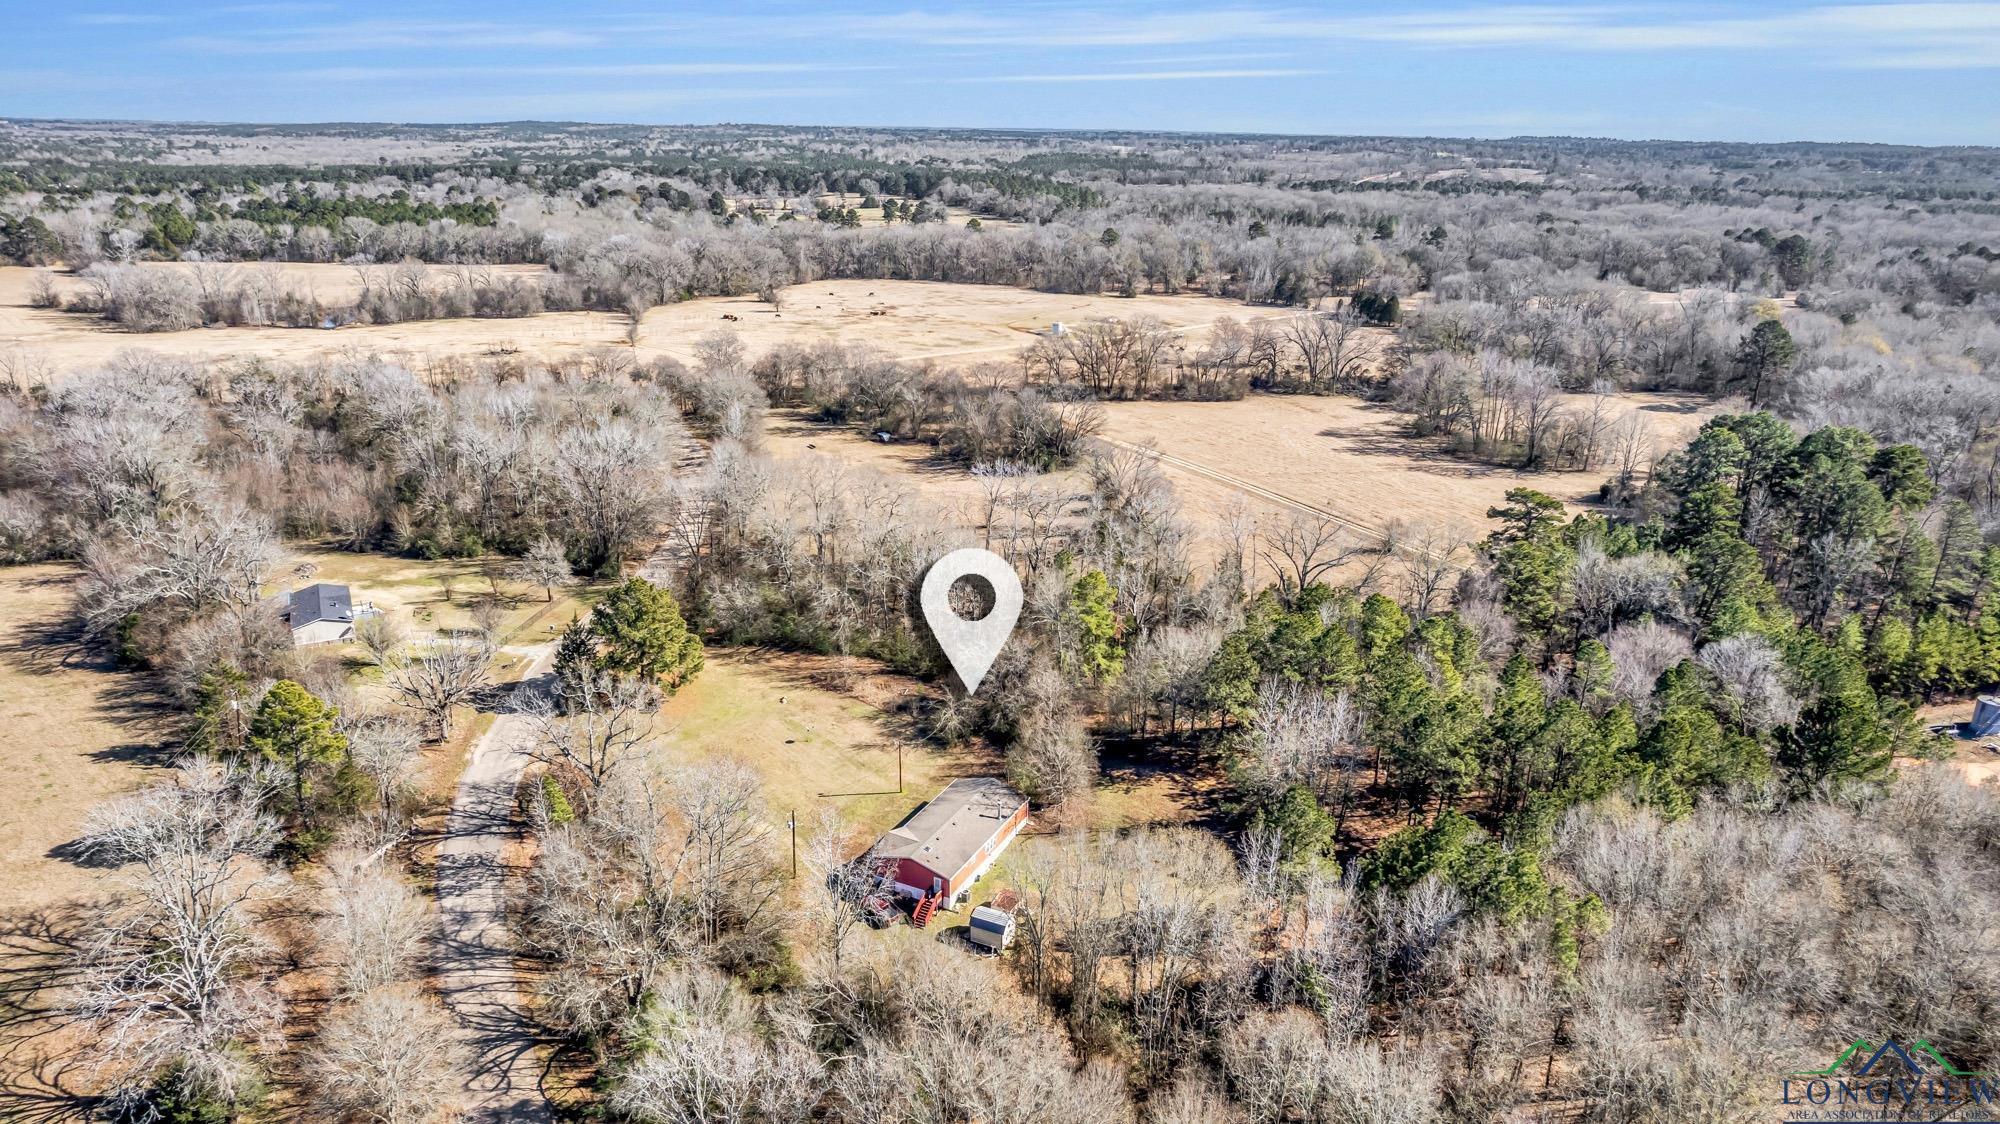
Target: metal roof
946, 833
320, 602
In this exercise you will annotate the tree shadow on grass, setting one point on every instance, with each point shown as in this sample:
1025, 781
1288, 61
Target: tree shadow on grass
1431, 456
42, 1078
56, 643
1191, 773
53, 643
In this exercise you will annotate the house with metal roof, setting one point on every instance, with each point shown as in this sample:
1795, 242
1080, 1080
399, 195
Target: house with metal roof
945, 846
323, 613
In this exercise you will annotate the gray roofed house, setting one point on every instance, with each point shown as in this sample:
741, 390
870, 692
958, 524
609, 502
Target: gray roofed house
322, 613
948, 843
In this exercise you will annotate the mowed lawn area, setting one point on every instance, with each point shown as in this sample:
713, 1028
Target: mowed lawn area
438, 598
815, 741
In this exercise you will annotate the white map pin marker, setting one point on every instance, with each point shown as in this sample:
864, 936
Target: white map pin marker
971, 646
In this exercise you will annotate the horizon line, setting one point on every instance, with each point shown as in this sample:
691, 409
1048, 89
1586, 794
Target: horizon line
1021, 129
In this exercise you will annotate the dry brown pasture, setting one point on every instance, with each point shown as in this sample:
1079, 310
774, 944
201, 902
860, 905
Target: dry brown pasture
771, 207
1352, 459
920, 320
73, 733
1274, 455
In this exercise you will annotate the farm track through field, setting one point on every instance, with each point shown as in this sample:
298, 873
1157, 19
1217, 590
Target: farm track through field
1246, 487
1256, 491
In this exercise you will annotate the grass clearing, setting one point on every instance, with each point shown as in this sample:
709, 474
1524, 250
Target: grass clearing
1352, 458
73, 733
914, 320
815, 740
438, 598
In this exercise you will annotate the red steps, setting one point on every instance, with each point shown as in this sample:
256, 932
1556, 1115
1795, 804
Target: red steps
921, 915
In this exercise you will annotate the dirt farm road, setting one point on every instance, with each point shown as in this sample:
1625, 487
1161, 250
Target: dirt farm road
474, 961
1239, 484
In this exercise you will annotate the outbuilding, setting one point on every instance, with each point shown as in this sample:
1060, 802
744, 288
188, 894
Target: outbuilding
1985, 718
945, 846
990, 928
323, 613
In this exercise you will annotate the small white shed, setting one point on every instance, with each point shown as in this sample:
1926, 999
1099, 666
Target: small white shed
991, 928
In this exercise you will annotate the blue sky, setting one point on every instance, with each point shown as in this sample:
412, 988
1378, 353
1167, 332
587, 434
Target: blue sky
1926, 73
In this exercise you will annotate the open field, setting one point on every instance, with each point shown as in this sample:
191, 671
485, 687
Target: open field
943, 486
817, 737
1276, 455
73, 733
918, 320
1350, 459
771, 208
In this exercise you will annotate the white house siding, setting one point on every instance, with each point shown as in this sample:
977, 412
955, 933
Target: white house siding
323, 632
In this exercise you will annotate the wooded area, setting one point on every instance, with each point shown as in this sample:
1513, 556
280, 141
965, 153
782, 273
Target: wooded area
1617, 814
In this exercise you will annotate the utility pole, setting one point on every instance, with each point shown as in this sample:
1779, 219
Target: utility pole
899, 768
792, 820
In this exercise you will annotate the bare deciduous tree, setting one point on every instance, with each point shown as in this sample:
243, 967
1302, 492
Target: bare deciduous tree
384, 636
1751, 674
596, 724
389, 1056
1304, 548
441, 678
836, 886
545, 564
1431, 557
167, 976
1303, 736
1641, 653
389, 750
373, 924
191, 562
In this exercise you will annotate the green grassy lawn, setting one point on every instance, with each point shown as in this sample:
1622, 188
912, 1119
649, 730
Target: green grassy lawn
813, 746
437, 598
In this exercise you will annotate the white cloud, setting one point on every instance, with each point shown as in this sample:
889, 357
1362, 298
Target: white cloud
582, 70
117, 19
379, 35
1958, 32
1962, 34
611, 105
1140, 76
